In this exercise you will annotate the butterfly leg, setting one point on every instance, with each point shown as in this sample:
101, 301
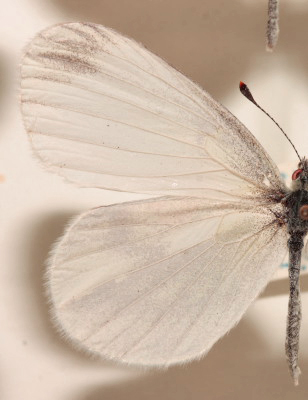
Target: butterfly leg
294, 311
281, 217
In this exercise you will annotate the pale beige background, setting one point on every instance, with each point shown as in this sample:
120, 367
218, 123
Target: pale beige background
217, 43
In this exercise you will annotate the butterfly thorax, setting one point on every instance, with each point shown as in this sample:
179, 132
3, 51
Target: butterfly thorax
297, 201
297, 210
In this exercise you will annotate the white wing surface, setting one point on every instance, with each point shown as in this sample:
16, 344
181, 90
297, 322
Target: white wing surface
103, 111
160, 281
154, 282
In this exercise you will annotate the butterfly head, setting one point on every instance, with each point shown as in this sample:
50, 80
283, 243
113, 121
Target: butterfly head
300, 176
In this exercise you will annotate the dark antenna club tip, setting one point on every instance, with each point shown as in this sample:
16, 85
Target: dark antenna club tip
246, 92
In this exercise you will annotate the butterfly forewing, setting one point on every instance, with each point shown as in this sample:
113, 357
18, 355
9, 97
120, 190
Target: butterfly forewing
104, 112
153, 282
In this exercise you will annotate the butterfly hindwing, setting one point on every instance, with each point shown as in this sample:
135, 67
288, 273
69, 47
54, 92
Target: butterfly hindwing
160, 281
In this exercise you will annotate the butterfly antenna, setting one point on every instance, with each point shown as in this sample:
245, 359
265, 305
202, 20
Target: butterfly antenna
246, 92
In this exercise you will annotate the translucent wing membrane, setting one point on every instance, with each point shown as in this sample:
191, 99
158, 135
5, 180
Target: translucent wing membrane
103, 111
158, 282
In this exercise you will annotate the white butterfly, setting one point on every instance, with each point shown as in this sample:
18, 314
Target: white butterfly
152, 282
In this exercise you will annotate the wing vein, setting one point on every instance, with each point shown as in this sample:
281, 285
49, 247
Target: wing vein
138, 299
156, 114
142, 238
165, 99
113, 120
175, 301
62, 137
201, 313
159, 78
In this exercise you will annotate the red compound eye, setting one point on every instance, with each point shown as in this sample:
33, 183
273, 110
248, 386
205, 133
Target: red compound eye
303, 212
296, 174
